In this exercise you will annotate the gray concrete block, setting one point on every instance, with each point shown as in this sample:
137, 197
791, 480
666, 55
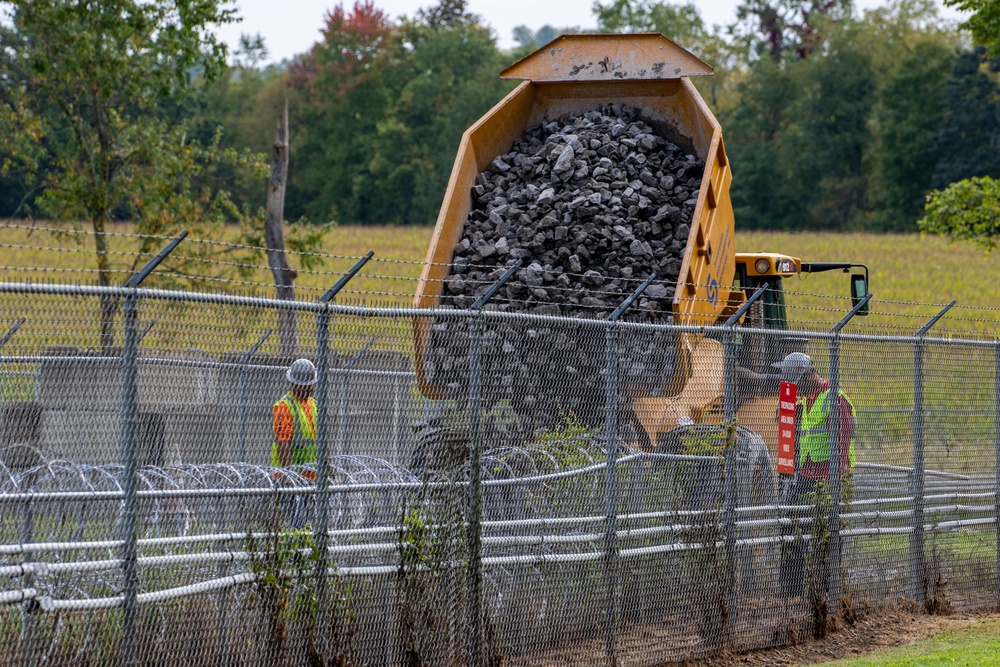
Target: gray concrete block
194, 436
81, 436
86, 382
20, 423
74, 379
162, 386
92, 437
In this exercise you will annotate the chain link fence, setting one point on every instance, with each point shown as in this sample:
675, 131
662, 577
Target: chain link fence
490, 488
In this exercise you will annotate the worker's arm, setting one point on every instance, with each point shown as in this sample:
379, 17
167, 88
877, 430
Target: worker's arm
284, 431
844, 433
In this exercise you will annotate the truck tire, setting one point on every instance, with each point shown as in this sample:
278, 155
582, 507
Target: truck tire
701, 485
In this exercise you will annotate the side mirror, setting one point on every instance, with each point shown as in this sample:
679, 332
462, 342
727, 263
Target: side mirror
859, 288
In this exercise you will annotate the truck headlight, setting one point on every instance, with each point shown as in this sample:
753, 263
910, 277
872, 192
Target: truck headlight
763, 265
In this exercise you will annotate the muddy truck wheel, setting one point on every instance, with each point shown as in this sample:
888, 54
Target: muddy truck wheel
693, 478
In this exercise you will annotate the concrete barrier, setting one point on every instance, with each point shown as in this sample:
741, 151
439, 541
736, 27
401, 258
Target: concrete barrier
92, 436
210, 413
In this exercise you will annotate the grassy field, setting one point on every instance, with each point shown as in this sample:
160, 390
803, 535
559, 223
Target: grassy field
975, 646
911, 276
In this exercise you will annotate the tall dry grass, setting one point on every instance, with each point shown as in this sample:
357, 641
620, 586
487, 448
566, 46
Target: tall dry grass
911, 276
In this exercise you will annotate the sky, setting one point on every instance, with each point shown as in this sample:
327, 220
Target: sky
291, 27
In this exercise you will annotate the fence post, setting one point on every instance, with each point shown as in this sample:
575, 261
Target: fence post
127, 447
833, 573
28, 606
729, 466
127, 457
833, 554
996, 447
917, 476
611, 497
321, 532
321, 529
474, 536
475, 529
611, 574
917, 566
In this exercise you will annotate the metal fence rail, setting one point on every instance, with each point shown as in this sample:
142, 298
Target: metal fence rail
491, 487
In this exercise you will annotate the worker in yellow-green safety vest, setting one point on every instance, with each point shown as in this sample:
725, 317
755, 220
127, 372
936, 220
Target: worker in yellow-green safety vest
295, 419
819, 410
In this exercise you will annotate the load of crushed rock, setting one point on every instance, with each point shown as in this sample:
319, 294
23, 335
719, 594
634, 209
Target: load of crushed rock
593, 205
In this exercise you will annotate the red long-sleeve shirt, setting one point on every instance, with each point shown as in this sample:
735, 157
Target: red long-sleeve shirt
821, 469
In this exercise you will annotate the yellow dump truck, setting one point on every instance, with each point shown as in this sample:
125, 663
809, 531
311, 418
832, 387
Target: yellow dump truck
575, 74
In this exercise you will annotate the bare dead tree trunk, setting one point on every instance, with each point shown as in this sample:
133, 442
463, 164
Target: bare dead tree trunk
284, 275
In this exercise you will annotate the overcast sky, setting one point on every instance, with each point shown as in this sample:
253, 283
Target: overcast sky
292, 27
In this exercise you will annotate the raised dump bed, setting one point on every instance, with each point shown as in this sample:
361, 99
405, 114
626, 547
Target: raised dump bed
571, 76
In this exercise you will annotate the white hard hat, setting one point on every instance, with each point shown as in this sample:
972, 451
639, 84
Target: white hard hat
794, 366
302, 372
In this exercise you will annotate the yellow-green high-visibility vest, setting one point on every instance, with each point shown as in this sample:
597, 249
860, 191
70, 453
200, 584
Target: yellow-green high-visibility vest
304, 437
814, 438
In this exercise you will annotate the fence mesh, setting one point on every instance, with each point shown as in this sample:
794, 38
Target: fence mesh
489, 488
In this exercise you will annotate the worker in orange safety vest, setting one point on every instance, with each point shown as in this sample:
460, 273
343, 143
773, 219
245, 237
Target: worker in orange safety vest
295, 419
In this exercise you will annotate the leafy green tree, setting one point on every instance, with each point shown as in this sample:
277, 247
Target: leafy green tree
754, 129
780, 28
83, 82
826, 144
383, 108
905, 122
984, 24
245, 101
967, 210
968, 140
342, 90
797, 139
444, 77
680, 22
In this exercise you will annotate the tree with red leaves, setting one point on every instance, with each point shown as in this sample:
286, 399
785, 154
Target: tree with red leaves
778, 28
384, 107
343, 98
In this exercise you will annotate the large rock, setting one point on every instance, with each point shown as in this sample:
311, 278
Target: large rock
593, 205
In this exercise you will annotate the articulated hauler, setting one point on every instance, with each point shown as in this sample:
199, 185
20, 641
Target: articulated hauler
575, 74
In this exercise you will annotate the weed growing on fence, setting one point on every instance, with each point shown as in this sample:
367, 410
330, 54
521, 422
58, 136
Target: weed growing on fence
430, 582
935, 585
817, 559
566, 443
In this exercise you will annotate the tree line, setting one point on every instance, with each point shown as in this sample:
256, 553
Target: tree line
834, 118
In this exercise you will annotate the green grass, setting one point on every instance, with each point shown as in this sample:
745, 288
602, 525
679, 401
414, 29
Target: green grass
975, 646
